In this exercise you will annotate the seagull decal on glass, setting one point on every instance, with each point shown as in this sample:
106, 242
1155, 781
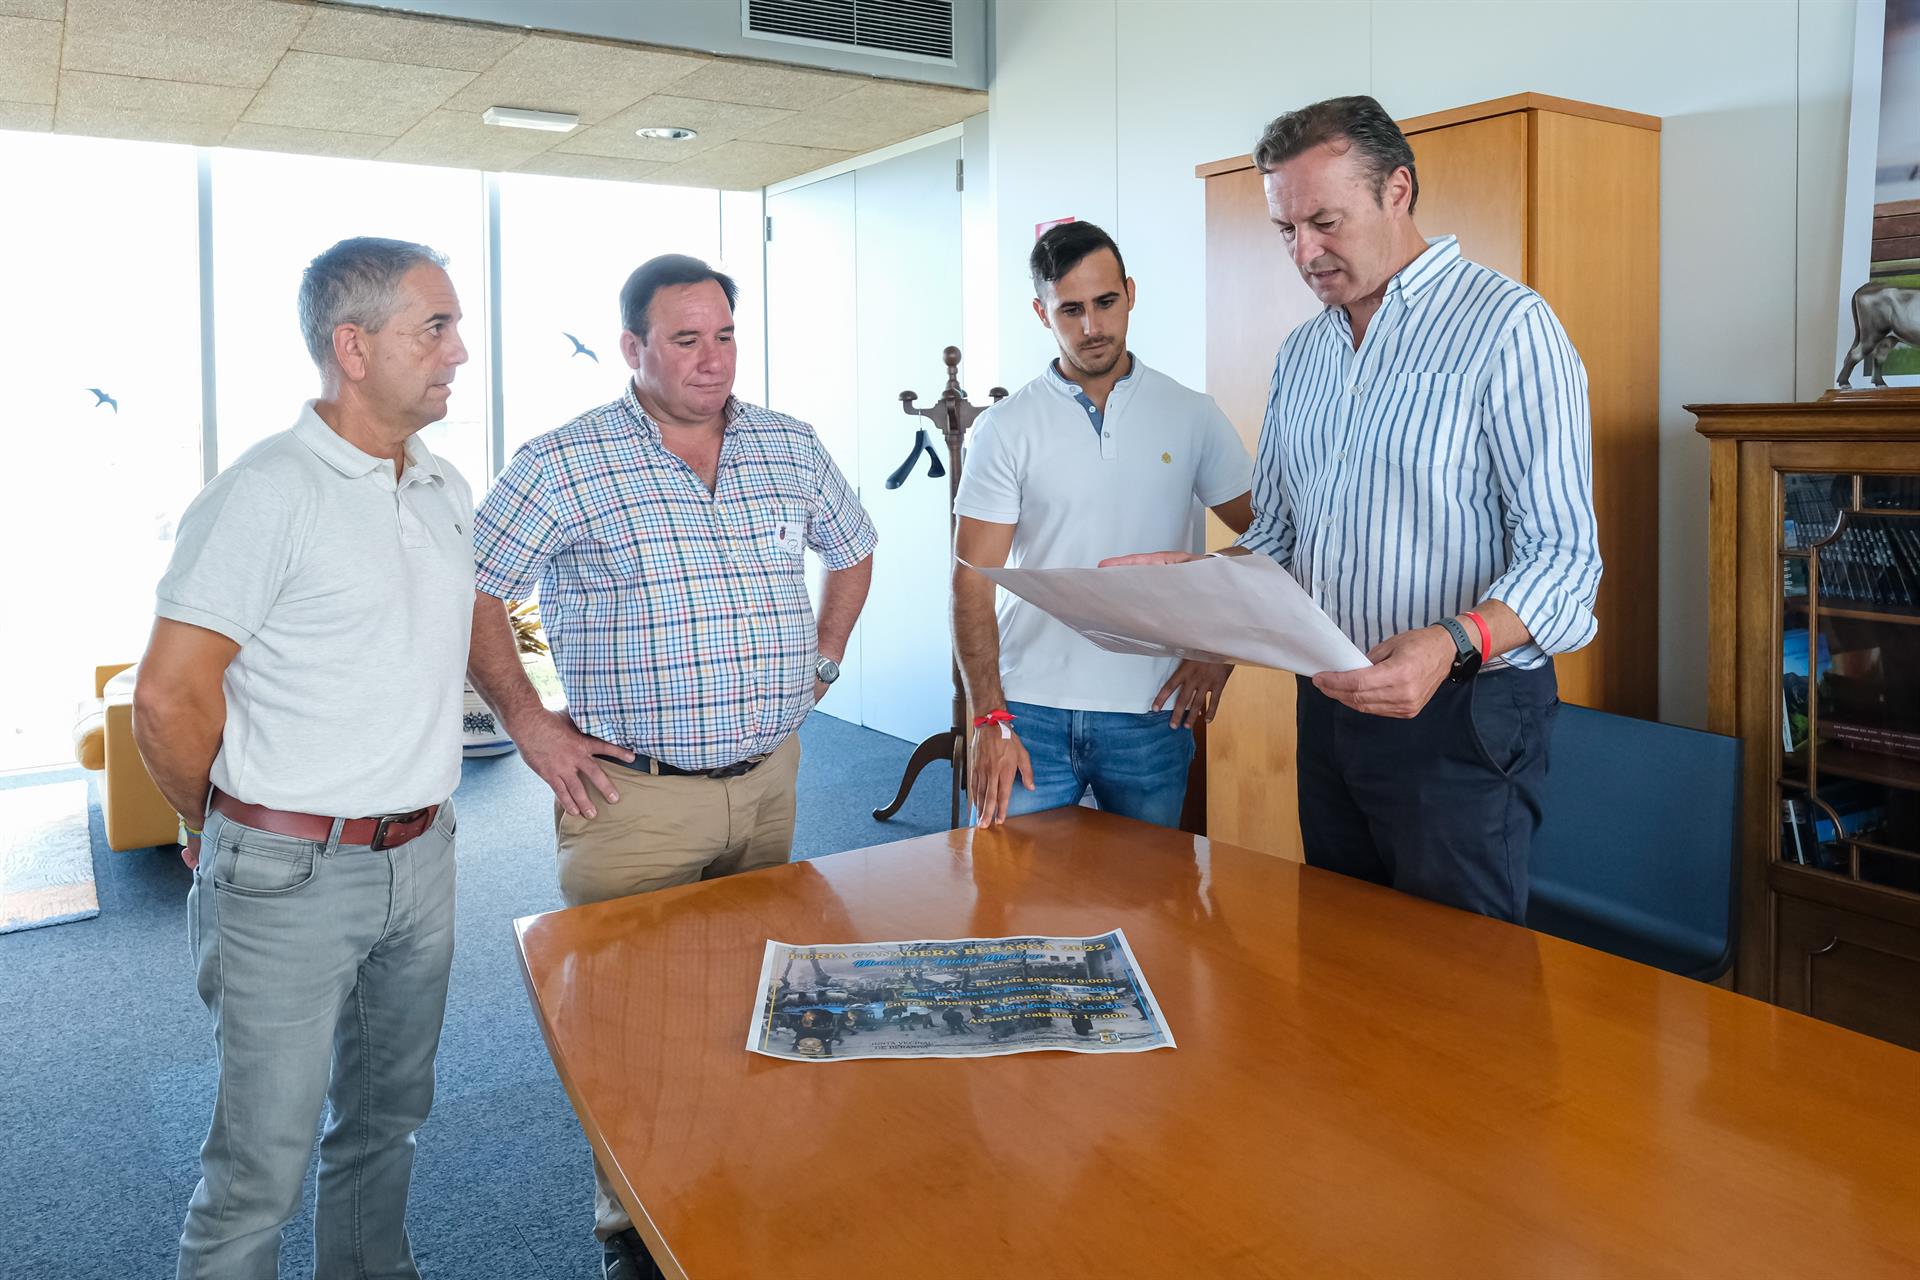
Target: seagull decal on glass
100, 397
580, 348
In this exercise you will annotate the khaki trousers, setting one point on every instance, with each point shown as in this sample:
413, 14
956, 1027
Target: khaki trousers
665, 831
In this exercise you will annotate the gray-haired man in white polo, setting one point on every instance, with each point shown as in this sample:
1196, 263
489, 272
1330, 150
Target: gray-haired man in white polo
299, 703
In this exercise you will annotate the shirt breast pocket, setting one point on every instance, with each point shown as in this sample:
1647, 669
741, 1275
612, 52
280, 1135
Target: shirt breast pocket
609, 555
1424, 422
783, 537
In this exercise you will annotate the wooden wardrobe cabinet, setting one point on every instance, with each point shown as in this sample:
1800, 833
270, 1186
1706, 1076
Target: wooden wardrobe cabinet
1562, 196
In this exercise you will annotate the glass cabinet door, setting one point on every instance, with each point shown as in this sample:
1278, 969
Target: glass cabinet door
1849, 605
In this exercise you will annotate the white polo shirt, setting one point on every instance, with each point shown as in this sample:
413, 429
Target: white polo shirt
351, 598
1081, 485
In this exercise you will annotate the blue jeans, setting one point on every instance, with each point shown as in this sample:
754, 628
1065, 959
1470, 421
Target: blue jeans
325, 969
1136, 764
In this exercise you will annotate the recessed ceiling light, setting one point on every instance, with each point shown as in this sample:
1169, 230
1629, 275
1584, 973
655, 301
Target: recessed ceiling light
668, 133
521, 118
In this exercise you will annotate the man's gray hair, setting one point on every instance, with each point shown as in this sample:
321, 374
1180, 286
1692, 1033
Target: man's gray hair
355, 282
1362, 122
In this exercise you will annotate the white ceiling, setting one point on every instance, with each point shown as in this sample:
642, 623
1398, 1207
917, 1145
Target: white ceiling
323, 79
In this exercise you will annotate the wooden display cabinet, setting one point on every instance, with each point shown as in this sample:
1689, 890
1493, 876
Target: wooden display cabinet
1815, 663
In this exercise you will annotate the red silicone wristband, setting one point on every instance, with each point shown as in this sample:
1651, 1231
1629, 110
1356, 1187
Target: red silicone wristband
1486, 636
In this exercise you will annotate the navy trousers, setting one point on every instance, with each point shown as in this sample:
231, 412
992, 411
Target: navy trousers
1444, 805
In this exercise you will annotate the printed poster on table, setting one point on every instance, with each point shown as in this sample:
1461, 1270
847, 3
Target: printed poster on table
954, 998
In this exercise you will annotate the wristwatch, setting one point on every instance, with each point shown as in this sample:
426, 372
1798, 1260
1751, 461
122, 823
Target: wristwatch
1466, 661
826, 670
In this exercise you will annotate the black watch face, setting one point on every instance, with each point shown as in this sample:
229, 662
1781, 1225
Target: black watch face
1464, 668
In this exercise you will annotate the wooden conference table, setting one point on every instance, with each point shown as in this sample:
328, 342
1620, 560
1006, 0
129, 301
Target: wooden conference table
1366, 1085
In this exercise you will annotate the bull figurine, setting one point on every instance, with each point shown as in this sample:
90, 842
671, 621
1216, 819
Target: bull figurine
1884, 316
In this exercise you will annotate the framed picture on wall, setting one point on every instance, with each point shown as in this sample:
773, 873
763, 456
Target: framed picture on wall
1880, 239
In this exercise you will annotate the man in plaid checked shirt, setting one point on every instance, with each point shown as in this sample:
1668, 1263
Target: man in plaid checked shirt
666, 533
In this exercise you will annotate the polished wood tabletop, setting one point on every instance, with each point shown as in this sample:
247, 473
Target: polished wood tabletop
1366, 1084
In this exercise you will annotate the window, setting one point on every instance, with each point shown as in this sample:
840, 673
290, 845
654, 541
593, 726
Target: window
100, 360
566, 247
102, 354
271, 215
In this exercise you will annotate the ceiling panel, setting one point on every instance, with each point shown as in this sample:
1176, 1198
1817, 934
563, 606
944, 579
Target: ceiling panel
392, 37
351, 95
26, 115
29, 60
716, 123
874, 115
309, 142
335, 80
742, 166
578, 166
763, 84
223, 42
460, 138
590, 80
161, 110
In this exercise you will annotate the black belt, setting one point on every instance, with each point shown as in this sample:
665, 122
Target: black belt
660, 768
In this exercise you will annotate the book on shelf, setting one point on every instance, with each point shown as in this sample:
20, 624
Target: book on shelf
1808, 829
1873, 561
1852, 823
1793, 817
1843, 809
1812, 507
1796, 651
1875, 738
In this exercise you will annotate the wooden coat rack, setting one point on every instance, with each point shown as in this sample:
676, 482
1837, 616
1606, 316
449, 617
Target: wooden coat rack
954, 415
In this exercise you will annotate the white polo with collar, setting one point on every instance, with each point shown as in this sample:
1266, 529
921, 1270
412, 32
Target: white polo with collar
1079, 486
350, 595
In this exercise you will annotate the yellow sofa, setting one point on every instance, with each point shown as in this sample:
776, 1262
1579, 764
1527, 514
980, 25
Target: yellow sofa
137, 815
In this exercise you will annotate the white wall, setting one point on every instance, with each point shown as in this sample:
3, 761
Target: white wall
743, 256
1101, 108
864, 274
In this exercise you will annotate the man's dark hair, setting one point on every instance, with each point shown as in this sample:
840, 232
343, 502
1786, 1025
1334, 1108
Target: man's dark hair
663, 272
1062, 248
1360, 121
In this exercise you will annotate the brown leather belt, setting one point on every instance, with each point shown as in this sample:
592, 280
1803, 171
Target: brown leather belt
389, 831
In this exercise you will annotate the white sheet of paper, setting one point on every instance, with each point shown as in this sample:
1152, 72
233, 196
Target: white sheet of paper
1240, 609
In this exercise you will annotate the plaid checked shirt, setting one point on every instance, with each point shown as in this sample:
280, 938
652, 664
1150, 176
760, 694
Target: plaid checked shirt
679, 619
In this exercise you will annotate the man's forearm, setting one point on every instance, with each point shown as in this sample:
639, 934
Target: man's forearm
178, 741
840, 604
493, 662
976, 640
1504, 625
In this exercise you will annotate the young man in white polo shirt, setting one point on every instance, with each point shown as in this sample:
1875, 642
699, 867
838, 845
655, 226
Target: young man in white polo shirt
299, 704
1096, 457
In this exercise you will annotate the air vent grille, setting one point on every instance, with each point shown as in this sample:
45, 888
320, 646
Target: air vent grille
913, 28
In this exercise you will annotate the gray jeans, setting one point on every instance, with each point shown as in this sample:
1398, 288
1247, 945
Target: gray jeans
325, 968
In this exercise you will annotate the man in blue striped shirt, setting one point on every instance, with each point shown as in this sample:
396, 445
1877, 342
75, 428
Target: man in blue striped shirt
1425, 472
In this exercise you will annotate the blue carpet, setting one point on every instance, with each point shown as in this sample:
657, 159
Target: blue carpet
107, 1077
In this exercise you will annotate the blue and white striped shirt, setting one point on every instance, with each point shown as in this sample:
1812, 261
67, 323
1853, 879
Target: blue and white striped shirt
1446, 462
